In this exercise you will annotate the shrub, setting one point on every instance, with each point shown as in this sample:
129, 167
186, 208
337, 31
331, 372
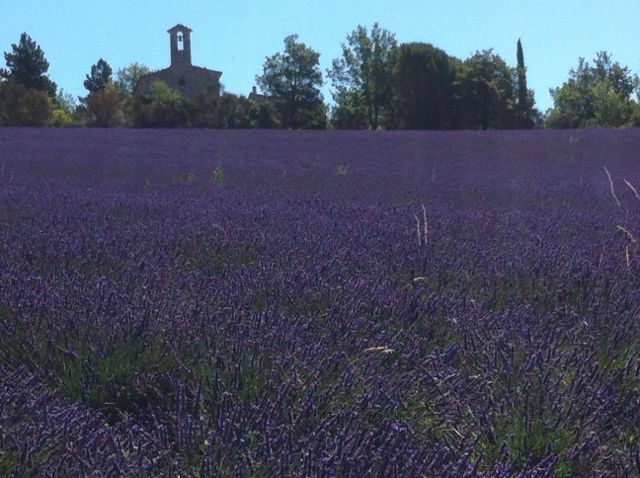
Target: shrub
105, 107
231, 111
20, 106
162, 107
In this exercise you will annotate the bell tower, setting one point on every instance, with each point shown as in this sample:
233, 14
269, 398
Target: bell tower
180, 37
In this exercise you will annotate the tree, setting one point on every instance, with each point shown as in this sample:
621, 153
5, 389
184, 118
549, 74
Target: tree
611, 108
28, 66
622, 81
105, 107
422, 87
267, 116
225, 111
20, 106
597, 95
64, 111
100, 75
126, 81
232, 111
573, 101
362, 78
162, 107
293, 78
127, 78
524, 105
484, 92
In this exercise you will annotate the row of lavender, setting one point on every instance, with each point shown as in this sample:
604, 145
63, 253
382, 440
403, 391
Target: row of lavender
259, 304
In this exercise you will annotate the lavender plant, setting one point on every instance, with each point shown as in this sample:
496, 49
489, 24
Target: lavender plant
273, 325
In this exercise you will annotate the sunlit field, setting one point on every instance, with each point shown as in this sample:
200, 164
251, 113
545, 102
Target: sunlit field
319, 304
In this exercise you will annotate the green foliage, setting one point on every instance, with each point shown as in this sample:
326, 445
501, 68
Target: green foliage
432, 90
216, 258
597, 95
573, 106
522, 92
342, 170
126, 81
348, 112
218, 175
622, 80
127, 78
362, 77
218, 112
188, 178
422, 85
528, 431
267, 116
99, 78
484, 92
9, 462
293, 78
162, 107
226, 111
64, 111
28, 66
105, 107
635, 115
61, 119
109, 379
611, 108
20, 106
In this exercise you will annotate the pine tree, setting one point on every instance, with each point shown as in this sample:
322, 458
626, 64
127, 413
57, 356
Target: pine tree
27, 66
99, 77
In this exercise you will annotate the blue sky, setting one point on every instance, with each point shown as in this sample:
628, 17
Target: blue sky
235, 36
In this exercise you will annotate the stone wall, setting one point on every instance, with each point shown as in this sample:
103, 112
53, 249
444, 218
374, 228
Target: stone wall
190, 81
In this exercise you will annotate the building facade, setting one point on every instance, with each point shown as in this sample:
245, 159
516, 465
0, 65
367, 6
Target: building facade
191, 81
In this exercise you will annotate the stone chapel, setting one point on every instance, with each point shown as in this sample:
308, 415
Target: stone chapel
191, 81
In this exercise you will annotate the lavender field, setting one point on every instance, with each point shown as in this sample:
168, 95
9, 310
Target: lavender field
271, 303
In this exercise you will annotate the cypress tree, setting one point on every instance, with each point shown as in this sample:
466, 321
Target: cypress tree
523, 93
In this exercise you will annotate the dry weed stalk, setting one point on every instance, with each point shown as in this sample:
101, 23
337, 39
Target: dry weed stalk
422, 228
631, 249
613, 191
635, 191
382, 349
628, 234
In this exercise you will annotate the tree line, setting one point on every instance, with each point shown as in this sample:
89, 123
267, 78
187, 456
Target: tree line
376, 83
